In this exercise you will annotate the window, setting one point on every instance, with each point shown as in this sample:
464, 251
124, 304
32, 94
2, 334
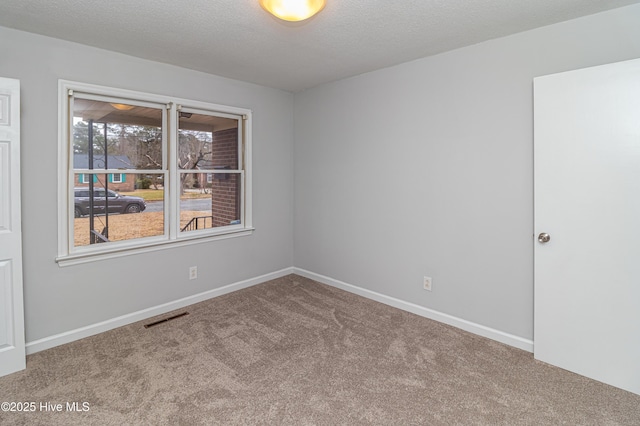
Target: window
136, 172
85, 178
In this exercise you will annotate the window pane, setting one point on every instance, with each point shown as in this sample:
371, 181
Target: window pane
114, 214
218, 204
119, 136
207, 142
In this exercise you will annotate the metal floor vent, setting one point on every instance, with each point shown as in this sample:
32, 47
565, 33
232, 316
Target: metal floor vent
165, 320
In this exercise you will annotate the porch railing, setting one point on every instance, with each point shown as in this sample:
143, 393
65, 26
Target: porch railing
198, 222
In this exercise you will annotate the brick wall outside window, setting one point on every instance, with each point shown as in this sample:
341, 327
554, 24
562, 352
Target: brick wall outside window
225, 188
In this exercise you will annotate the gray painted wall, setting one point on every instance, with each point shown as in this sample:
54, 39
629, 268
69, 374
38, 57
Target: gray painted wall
62, 299
426, 169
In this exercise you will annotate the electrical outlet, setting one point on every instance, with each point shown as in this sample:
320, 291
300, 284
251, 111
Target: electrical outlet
427, 283
193, 272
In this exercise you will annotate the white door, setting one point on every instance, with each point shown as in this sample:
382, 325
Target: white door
587, 199
12, 351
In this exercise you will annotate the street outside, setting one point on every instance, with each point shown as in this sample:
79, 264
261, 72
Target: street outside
191, 204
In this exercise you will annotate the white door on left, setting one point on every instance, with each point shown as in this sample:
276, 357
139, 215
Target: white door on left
12, 349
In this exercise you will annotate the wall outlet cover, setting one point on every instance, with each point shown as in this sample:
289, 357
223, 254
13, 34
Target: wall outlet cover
426, 283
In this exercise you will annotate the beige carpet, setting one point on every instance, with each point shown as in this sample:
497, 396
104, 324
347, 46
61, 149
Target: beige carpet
292, 351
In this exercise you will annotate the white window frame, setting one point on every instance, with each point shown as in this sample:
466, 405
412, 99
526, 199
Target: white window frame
68, 254
113, 177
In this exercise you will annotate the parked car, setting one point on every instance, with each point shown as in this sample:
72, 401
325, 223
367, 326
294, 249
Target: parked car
117, 203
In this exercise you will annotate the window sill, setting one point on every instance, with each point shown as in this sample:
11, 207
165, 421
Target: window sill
76, 259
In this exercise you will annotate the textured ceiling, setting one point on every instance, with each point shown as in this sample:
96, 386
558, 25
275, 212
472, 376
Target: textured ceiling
238, 39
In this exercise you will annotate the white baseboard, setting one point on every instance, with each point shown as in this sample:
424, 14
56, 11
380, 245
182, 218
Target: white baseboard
481, 330
90, 330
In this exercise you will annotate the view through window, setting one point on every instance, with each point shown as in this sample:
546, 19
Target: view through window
145, 171
109, 139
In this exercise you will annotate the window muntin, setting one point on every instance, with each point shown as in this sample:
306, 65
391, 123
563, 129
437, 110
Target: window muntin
146, 141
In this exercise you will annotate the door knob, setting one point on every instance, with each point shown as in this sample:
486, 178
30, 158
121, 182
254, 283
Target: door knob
544, 237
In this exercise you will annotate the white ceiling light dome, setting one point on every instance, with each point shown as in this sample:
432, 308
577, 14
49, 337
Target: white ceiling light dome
293, 10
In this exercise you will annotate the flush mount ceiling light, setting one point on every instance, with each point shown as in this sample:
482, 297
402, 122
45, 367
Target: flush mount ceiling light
292, 10
123, 107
